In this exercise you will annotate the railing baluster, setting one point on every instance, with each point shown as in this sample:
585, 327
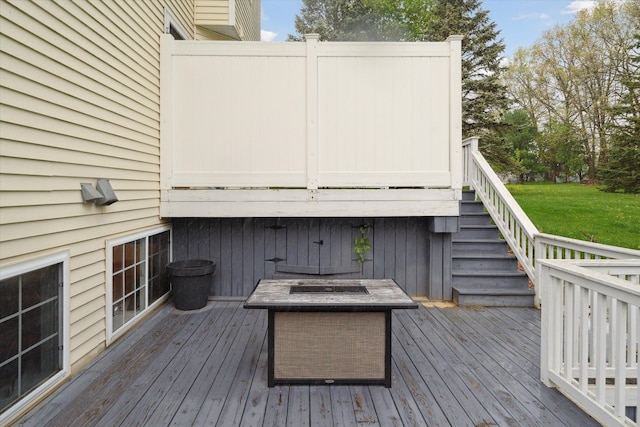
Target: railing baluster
584, 340
637, 311
557, 295
600, 345
592, 320
611, 316
568, 330
632, 338
620, 356
576, 294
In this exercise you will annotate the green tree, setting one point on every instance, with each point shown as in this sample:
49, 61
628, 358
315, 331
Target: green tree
363, 20
406, 20
572, 74
561, 151
484, 96
520, 134
622, 171
341, 20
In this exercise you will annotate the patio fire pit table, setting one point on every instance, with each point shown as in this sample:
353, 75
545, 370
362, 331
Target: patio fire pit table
329, 331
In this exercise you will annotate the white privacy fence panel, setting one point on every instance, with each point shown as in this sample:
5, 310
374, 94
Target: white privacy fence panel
591, 334
310, 115
238, 117
374, 127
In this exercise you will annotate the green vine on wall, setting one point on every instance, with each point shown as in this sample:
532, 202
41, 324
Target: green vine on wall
362, 244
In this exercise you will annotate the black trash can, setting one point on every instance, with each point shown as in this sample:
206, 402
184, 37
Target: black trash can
191, 280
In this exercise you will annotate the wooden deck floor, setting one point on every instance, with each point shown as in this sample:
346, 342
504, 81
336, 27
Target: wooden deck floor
451, 366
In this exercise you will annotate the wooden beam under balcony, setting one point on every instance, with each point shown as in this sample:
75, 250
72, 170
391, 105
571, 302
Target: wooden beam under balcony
223, 203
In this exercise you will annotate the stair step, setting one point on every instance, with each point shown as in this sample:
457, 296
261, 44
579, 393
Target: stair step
476, 218
483, 262
494, 297
471, 206
478, 246
468, 195
477, 231
484, 272
496, 279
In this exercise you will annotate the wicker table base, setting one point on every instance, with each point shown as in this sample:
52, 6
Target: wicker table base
321, 339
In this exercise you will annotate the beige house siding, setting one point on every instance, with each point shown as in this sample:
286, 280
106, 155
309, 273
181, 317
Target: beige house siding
203, 33
235, 18
79, 101
247, 14
212, 12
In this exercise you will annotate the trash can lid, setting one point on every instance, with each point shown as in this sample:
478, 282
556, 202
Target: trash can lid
191, 267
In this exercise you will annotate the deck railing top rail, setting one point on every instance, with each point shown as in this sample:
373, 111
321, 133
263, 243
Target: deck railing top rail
558, 247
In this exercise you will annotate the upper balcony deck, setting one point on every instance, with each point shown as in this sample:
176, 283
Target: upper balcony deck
310, 129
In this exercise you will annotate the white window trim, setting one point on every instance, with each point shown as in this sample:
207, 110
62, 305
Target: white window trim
25, 267
112, 336
170, 21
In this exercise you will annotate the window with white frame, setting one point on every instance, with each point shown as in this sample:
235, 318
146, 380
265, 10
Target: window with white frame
34, 327
137, 278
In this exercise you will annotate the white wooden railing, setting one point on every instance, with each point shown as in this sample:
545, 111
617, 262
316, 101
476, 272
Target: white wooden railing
590, 298
590, 334
527, 244
515, 226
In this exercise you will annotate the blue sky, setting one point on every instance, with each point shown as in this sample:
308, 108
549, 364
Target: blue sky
521, 22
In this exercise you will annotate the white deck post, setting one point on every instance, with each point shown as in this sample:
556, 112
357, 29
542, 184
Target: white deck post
545, 325
455, 113
312, 111
166, 115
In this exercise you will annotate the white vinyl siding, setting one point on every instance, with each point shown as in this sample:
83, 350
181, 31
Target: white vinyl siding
79, 101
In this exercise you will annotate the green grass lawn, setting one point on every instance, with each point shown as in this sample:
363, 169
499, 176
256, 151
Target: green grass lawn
581, 212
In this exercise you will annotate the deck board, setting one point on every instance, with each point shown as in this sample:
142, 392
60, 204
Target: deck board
275, 413
450, 366
497, 375
433, 387
455, 375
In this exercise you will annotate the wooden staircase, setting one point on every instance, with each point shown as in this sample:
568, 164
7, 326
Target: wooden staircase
484, 273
